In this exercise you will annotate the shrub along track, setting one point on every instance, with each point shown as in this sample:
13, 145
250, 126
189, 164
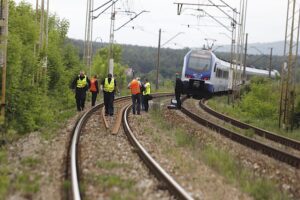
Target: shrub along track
108, 166
284, 175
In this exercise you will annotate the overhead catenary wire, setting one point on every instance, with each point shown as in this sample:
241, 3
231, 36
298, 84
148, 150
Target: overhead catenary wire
101, 6
113, 3
130, 20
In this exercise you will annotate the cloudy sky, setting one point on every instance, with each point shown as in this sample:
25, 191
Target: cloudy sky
265, 21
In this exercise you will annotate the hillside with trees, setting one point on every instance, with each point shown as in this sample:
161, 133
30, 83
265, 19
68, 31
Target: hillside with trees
144, 59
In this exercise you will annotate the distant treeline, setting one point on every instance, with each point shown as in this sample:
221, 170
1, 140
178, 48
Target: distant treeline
144, 59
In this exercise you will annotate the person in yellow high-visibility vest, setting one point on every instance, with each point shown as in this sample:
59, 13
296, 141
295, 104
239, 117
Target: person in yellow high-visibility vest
109, 87
146, 94
80, 84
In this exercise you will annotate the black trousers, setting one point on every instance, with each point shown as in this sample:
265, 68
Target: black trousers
94, 97
136, 103
146, 102
177, 95
142, 102
80, 98
109, 102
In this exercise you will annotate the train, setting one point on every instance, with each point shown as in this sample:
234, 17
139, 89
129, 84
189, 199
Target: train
204, 74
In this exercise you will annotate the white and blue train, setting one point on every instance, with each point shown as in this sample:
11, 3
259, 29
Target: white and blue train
203, 73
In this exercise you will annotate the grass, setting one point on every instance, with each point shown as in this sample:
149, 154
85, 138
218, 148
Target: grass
226, 165
30, 162
4, 175
67, 184
27, 183
109, 181
47, 132
24, 182
222, 162
220, 104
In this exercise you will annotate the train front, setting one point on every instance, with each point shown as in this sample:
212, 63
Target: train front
196, 73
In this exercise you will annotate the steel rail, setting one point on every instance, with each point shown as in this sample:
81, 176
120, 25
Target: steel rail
75, 140
261, 132
159, 172
74, 145
265, 149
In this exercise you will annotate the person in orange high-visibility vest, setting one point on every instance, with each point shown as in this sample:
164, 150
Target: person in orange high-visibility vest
94, 89
135, 89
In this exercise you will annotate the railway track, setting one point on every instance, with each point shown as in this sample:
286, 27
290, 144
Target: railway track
262, 133
153, 166
247, 141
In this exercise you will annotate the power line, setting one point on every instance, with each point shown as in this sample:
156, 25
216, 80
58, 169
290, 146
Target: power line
130, 20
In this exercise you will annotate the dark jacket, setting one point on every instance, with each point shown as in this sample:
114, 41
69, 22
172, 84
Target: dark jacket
178, 86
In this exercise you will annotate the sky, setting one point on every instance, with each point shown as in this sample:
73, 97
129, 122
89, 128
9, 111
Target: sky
265, 21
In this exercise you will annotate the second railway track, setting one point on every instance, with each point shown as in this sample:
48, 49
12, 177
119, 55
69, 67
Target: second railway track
275, 153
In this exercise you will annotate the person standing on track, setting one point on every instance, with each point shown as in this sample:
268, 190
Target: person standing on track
94, 89
135, 89
109, 86
146, 94
80, 84
178, 90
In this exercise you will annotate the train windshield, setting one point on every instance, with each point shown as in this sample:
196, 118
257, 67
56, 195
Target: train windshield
199, 62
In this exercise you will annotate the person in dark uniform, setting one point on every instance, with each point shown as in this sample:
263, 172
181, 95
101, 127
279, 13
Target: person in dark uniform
80, 84
109, 87
178, 90
94, 89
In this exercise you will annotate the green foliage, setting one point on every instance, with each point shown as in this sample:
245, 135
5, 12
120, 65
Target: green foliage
258, 106
109, 181
226, 165
27, 184
100, 65
30, 162
4, 175
261, 102
144, 59
35, 97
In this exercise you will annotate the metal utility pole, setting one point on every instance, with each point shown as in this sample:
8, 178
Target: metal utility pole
239, 55
87, 54
111, 39
36, 22
232, 53
245, 60
158, 58
41, 43
3, 53
270, 65
287, 99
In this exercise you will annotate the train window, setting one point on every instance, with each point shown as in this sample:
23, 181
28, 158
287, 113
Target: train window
219, 73
225, 74
215, 67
